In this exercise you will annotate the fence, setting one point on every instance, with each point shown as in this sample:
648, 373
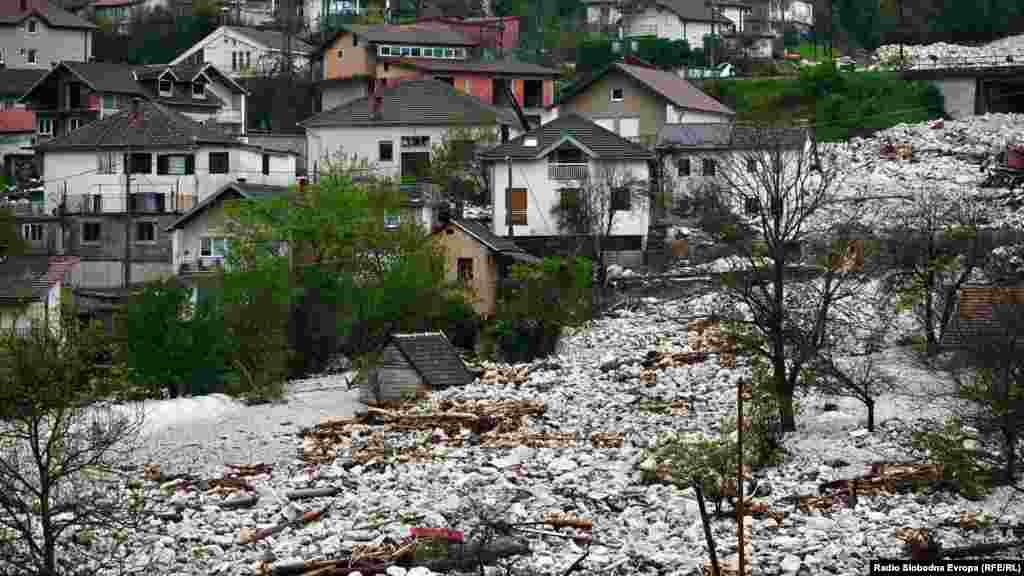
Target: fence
143, 202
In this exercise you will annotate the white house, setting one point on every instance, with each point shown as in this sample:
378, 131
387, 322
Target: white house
240, 51
32, 290
200, 241
798, 12
688, 20
529, 175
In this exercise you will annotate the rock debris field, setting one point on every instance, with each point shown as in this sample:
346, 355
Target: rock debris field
292, 488
1007, 51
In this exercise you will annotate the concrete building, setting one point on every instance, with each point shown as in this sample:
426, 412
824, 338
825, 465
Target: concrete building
38, 34
242, 52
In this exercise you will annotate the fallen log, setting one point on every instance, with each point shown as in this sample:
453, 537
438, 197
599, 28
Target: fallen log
307, 493
246, 501
470, 557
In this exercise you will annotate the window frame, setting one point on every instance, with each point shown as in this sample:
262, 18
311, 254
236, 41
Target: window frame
464, 271
384, 50
106, 163
40, 122
622, 199
31, 56
29, 229
201, 95
611, 95
160, 86
32, 26
390, 148
403, 51
163, 165
680, 162
213, 247
132, 166
151, 225
86, 225
708, 167
415, 141
77, 122
210, 162
415, 52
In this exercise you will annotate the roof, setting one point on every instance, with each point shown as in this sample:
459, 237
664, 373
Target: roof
598, 142
498, 244
247, 190
184, 72
403, 34
727, 136
15, 121
691, 10
509, 66
18, 81
28, 278
434, 358
272, 39
152, 125
422, 102
978, 313
54, 16
99, 76
668, 85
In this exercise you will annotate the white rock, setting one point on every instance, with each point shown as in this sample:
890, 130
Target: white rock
821, 523
561, 465
396, 571
419, 571
859, 433
790, 564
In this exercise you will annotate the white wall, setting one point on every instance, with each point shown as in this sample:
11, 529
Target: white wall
75, 173
676, 115
543, 194
362, 141
219, 45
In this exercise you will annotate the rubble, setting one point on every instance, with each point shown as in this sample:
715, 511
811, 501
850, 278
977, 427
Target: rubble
1007, 51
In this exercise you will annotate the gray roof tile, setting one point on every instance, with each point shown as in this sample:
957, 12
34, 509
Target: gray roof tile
434, 358
510, 66
17, 81
411, 34
153, 125
422, 102
604, 143
273, 39
106, 76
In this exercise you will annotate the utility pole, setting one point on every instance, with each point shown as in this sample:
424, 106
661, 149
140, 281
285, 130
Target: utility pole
127, 265
739, 480
508, 197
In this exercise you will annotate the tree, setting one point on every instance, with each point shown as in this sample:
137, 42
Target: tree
455, 167
790, 194
60, 448
594, 206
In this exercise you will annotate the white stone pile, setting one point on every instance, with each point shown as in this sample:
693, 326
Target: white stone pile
1007, 51
596, 383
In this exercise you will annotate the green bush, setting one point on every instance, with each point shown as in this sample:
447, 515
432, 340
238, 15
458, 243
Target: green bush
166, 342
952, 448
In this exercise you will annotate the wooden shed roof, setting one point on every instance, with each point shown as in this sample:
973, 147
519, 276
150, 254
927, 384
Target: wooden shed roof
434, 358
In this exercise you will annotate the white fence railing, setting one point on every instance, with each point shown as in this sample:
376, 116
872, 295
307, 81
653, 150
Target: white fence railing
560, 171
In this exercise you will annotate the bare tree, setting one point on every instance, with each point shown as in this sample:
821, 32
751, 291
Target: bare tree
790, 194
59, 450
594, 206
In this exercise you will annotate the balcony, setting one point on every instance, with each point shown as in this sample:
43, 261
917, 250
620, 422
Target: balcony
201, 265
568, 171
139, 202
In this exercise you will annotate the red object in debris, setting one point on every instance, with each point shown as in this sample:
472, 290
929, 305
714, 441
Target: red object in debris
438, 534
938, 125
1015, 157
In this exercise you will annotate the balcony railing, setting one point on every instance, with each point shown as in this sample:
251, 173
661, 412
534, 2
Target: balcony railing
201, 265
139, 202
26, 208
565, 171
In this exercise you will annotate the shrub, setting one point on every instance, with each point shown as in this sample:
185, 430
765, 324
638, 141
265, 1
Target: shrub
954, 447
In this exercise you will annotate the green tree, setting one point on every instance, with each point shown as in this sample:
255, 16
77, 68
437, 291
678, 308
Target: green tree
454, 165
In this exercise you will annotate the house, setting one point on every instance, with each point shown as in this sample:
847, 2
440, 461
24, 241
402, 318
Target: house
33, 289
199, 241
411, 365
361, 59
499, 34
568, 155
118, 14
38, 34
635, 101
984, 314
17, 127
118, 183
689, 20
321, 15
242, 52
73, 94
799, 13
479, 260
694, 153
252, 12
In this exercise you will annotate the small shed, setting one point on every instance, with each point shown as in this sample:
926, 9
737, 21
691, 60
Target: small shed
984, 312
412, 365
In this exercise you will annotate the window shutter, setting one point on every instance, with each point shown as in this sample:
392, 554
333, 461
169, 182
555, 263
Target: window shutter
127, 164
519, 208
190, 164
162, 164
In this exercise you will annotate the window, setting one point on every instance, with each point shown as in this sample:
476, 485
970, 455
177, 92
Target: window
32, 232
145, 231
414, 51
708, 166
248, 59
234, 60
74, 124
166, 87
751, 165
518, 207
213, 247
392, 220
449, 53
266, 164
199, 89
683, 166
175, 164
616, 95
33, 26
106, 163
465, 270
140, 163
621, 199
45, 126
438, 52
751, 205
109, 102
90, 232
460, 52
405, 51
3, 59
30, 56
219, 163
415, 141
446, 79
386, 151
341, 54
355, 40
382, 50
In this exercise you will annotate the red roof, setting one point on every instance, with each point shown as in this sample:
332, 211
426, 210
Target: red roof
12, 121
